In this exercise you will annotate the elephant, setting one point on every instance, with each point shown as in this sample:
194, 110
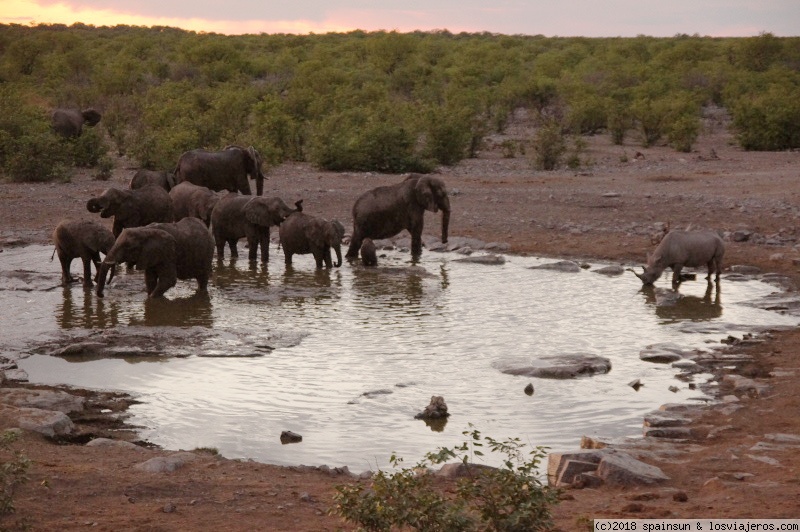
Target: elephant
69, 122
301, 233
385, 211
166, 252
132, 208
143, 177
369, 254
193, 200
222, 170
83, 239
236, 216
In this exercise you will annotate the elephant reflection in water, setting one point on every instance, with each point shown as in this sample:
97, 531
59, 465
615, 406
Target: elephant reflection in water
231, 273
300, 285
673, 306
396, 286
191, 311
93, 313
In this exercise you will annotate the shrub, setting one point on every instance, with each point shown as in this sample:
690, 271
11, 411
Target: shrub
548, 146
448, 136
683, 131
88, 148
769, 121
505, 499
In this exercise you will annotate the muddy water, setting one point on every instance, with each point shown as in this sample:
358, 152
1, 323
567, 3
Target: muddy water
347, 357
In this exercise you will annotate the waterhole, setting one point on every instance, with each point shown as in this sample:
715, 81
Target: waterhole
347, 357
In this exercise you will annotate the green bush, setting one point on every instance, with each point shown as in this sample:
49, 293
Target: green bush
769, 121
448, 136
508, 498
88, 148
549, 145
683, 131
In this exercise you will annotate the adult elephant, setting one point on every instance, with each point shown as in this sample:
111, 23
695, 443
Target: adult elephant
301, 233
81, 239
132, 208
222, 170
189, 200
69, 122
385, 211
236, 216
143, 178
166, 252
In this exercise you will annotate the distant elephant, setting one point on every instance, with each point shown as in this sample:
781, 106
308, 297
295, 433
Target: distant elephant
190, 200
69, 122
166, 252
385, 211
83, 239
301, 233
133, 208
236, 216
222, 170
369, 254
160, 178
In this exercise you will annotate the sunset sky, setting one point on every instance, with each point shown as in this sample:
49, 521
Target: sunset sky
591, 18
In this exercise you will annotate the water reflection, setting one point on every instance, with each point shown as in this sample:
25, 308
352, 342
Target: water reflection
394, 286
88, 313
317, 285
194, 310
227, 275
672, 306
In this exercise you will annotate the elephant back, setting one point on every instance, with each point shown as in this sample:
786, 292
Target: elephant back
292, 233
153, 203
194, 247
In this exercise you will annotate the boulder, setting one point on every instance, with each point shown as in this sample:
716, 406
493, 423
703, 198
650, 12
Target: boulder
118, 444
51, 423
610, 270
166, 464
43, 399
491, 260
662, 353
437, 409
564, 367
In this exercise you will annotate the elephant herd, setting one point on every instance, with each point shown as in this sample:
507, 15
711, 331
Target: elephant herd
169, 225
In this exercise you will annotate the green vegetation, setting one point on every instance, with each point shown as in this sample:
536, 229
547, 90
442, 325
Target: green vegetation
507, 498
13, 469
379, 101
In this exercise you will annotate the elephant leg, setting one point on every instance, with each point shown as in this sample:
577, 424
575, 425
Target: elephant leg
202, 282
327, 258
219, 242
318, 257
65, 261
96, 261
288, 256
167, 278
355, 245
150, 280
264, 243
676, 273
232, 245
87, 271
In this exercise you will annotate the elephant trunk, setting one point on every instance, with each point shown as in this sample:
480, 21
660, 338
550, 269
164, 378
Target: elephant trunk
101, 276
338, 248
445, 221
259, 182
93, 205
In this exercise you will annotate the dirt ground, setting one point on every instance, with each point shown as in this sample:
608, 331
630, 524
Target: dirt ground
608, 209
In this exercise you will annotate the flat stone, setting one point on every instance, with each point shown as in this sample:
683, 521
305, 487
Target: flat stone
490, 260
119, 444
166, 464
610, 270
564, 367
556, 461
560, 266
51, 423
573, 468
659, 419
44, 399
621, 469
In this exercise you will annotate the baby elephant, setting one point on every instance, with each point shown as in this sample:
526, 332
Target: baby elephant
301, 233
83, 239
369, 254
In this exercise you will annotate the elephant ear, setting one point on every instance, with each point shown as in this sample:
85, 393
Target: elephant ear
257, 212
91, 116
157, 247
338, 228
316, 232
423, 192
255, 158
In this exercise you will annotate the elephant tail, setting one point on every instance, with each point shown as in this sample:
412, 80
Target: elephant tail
54, 254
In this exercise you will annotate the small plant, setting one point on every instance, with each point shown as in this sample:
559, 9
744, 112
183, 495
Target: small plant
509, 148
507, 498
683, 132
105, 166
12, 471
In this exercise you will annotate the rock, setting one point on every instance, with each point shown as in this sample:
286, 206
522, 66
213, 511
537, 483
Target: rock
620, 469
741, 236
529, 389
662, 353
792, 440
48, 422
119, 444
743, 385
491, 260
672, 433
166, 464
560, 266
43, 399
557, 461
680, 496
460, 470
610, 270
287, 436
437, 409
635, 384
564, 367
571, 469
659, 419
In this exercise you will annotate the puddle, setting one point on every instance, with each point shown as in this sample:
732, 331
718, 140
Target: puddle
347, 357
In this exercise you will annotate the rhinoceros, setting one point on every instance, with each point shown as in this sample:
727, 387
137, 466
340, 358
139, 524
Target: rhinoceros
684, 248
